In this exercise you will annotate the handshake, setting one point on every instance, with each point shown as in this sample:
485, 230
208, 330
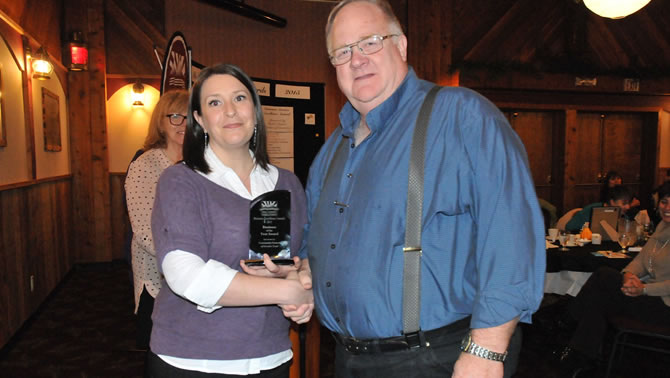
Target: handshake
295, 296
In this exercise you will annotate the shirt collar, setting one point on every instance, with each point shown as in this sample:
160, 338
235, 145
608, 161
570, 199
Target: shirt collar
220, 169
377, 118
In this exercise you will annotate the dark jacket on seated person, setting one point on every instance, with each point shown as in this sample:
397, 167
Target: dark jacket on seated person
580, 217
618, 196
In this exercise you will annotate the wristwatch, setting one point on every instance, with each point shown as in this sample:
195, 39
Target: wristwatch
469, 346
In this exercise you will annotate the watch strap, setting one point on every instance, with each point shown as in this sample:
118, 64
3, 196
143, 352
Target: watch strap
469, 346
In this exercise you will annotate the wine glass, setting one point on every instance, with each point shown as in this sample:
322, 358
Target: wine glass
625, 239
563, 239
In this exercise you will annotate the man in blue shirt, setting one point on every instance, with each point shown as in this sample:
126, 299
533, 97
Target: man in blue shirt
483, 259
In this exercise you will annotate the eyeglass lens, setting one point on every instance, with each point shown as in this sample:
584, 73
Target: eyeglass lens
176, 119
366, 46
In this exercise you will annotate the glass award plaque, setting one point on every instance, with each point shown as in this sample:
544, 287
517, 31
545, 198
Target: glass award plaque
270, 228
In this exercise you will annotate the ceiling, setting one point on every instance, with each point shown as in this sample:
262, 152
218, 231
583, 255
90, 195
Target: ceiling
560, 36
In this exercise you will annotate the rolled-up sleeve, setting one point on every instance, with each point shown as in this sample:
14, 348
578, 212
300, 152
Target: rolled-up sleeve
510, 248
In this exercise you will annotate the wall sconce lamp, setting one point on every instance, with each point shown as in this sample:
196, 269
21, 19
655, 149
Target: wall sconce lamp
42, 67
615, 8
137, 94
78, 52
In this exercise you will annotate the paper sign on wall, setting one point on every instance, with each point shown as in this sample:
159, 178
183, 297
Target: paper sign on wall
292, 91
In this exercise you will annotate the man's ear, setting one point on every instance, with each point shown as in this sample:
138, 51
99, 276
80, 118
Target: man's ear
402, 46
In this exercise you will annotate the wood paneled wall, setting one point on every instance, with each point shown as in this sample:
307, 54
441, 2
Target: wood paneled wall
88, 136
35, 241
36, 238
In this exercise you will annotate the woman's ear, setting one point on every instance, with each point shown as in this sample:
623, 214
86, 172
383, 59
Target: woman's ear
198, 119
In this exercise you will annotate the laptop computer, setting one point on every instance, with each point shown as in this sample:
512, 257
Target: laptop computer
609, 214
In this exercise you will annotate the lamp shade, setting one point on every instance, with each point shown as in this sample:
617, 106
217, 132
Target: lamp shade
78, 52
137, 94
615, 8
42, 68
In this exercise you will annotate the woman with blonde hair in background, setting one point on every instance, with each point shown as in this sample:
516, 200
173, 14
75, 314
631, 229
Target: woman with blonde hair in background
163, 148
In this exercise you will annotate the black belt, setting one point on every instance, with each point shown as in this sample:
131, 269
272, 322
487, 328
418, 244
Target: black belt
391, 344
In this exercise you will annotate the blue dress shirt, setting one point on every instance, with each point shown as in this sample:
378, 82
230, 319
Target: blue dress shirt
483, 239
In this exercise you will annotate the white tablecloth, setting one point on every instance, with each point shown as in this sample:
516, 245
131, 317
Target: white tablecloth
565, 282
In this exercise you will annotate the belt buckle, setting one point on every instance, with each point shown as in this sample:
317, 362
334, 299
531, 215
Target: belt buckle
416, 339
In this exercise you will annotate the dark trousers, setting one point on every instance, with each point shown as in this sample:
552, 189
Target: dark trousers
157, 368
437, 360
144, 323
599, 299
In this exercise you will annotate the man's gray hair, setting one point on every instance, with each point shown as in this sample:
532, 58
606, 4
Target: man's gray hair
394, 24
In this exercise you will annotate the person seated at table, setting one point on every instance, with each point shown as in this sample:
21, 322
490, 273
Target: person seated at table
549, 214
640, 292
612, 179
617, 196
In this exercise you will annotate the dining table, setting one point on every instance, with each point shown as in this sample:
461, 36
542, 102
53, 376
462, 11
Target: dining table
567, 271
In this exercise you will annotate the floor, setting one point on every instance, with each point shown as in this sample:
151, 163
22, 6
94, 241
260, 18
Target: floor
86, 329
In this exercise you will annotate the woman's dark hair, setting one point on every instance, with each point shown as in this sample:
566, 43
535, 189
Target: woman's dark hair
663, 191
605, 186
194, 139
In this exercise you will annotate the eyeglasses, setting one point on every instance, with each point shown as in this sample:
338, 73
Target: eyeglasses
176, 119
368, 45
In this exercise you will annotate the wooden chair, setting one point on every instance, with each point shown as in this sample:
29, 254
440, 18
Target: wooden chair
658, 334
562, 221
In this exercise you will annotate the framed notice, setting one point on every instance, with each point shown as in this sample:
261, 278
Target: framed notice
3, 130
51, 120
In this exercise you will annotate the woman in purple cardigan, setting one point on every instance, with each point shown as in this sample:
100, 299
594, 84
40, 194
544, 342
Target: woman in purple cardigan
218, 317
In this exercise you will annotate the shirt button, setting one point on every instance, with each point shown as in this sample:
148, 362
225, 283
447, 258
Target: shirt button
337, 320
349, 175
341, 210
353, 145
328, 284
332, 246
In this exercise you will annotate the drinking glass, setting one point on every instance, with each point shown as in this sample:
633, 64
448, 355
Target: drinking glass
627, 234
625, 239
563, 239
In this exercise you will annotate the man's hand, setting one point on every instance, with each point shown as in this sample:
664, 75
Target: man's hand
299, 313
304, 273
471, 366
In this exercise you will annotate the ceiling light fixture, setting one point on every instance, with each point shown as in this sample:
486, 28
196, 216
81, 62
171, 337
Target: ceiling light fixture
615, 8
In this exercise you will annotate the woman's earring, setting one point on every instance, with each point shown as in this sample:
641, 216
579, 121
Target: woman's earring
255, 133
206, 138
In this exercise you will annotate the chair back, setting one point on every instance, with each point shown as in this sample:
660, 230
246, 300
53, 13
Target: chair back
562, 221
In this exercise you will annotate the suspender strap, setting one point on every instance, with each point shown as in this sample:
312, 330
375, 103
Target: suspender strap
411, 293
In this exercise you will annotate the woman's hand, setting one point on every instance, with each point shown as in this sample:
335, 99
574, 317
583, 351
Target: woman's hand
270, 269
632, 286
633, 291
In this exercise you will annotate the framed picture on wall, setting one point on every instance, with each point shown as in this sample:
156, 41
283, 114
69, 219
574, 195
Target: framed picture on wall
3, 130
51, 120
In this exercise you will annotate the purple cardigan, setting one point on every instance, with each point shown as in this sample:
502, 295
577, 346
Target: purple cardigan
193, 214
